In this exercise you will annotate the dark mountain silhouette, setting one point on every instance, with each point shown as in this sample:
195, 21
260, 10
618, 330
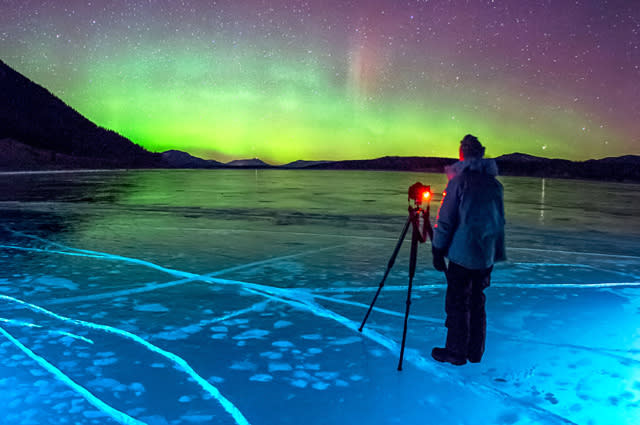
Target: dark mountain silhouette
179, 159
303, 164
401, 163
45, 133
623, 168
248, 163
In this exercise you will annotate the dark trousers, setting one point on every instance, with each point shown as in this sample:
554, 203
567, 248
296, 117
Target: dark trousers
466, 317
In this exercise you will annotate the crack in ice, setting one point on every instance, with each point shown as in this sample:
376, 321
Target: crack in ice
117, 415
179, 361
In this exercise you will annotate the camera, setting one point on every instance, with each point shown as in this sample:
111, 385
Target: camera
419, 193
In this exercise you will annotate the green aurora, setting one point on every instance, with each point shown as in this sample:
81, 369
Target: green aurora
327, 89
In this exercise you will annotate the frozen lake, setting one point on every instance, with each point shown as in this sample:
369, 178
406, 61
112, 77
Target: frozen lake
234, 297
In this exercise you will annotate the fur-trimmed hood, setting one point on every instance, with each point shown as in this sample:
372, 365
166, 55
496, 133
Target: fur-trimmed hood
484, 165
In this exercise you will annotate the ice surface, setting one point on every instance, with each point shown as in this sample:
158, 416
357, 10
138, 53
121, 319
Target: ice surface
180, 297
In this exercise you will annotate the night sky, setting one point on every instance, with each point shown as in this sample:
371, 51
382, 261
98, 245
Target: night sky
328, 79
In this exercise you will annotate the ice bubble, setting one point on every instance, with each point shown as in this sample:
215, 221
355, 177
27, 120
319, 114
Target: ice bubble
299, 383
282, 344
137, 387
105, 362
282, 324
320, 385
198, 418
312, 337
243, 366
152, 308
261, 377
252, 334
347, 340
327, 375
184, 399
279, 367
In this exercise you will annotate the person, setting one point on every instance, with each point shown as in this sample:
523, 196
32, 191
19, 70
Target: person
469, 231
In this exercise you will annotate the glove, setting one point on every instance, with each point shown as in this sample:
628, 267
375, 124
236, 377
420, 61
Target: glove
438, 259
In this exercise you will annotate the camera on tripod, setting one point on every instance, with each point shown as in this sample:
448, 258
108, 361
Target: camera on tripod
419, 193
418, 221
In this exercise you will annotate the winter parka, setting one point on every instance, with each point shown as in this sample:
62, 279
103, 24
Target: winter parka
469, 228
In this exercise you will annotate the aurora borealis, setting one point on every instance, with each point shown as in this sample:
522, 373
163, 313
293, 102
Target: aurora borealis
286, 80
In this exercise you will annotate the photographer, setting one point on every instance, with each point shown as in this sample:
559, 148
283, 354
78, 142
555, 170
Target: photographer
469, 231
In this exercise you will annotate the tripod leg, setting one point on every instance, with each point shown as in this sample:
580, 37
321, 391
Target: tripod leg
412, 271
386, 273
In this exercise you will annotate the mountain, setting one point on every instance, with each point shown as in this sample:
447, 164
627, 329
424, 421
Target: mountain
249, 163
303, 164
623, 168
401, 163
45, 133
179, 159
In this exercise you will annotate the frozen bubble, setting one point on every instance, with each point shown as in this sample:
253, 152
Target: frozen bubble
327, 375
347, 340
279, 367
271, 355
356, 378
300, 383
314, 350
312, 337
320, 385
137, 387
158, 365
219, 329
198, 418
109, 383
282, 324
153, 308
252, 334
301, 374
282, 344
55, 282
311, 366
105, 362
243, 366
261, 377
184, 399
236, 322
377, 352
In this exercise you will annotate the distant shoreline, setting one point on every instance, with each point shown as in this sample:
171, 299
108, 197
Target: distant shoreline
281, 168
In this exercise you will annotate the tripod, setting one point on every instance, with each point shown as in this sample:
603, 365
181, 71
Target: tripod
415, 212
